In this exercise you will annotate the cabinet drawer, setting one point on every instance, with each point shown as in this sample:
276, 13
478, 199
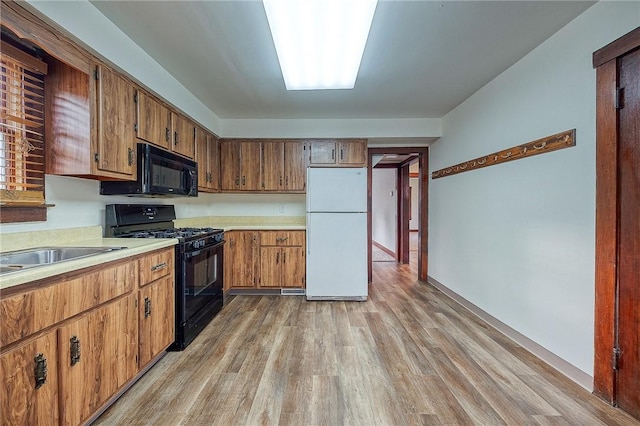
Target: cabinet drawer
282, 238
156, 265
31, 311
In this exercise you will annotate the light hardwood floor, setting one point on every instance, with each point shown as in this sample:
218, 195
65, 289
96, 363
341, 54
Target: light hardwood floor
408, 356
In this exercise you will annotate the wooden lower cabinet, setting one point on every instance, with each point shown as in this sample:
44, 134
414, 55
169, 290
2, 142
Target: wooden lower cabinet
98, 354
90, 332
241, 259
265, 259
156, 310
24, 401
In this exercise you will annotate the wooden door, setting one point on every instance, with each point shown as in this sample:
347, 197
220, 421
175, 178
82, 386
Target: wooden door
241, 259
295, 166
229, 165
628, 377
273, 166
322, 152
352, 153
107, 358
156, 317
24, 402
183, 136
202, 158
116, 116
270, 267
250, 166
293, 267
153, 121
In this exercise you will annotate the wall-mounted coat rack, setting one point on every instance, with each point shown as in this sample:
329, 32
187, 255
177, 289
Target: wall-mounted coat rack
550, 143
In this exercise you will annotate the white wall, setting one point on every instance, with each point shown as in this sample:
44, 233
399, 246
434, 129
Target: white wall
384, 207
78, 203
517, 239
415, 201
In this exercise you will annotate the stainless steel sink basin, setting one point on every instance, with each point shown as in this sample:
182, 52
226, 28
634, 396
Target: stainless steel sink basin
21, 259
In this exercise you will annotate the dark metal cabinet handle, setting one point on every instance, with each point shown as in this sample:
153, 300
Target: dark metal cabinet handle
75, 350
333, 154
159, 266
277, 258
147, 307
131, 158
237, 181
243, 180
175, 138
284, 257
40, 370
341, 155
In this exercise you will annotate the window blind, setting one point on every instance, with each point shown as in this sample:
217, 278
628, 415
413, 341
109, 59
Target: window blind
21, 128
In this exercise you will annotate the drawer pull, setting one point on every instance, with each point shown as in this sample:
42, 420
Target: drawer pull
75, 350
158, 266
40, 370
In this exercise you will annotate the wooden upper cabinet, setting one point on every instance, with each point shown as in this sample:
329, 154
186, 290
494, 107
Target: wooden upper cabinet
183, 136
340, 153
295, 166
240, 165
27, 400
273, 171
262, 165
322, 152
153, 121
89, 122
352, 152
116, 140
208, 159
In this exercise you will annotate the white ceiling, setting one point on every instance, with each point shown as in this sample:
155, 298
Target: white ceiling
422, 58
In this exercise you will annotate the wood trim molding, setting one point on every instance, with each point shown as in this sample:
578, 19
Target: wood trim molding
17, 214
555, 142
619, 47
606, 230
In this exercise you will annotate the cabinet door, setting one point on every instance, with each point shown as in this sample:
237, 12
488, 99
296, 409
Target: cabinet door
273, 166
116, 115
153, 121
250, 162
293, 267
229, 165
156, 315
24, 401
202, 158
214, 162
241, 259
322, 152
295, 166
98, 355
353, 152
183, 136
270, 267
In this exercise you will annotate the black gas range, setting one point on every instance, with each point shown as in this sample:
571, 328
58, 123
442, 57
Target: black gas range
199, 261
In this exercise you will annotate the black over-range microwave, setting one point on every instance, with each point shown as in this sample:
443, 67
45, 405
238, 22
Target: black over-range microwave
160, 174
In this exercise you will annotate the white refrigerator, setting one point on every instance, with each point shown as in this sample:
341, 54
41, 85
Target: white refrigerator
337, 234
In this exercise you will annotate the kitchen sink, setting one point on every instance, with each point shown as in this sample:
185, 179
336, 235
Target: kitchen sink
22, 259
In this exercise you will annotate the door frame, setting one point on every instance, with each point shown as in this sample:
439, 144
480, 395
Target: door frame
605, 61
403, 213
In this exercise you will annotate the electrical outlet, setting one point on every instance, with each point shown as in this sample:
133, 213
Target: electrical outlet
281, 208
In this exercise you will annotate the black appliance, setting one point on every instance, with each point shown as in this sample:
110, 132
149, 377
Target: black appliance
199, 267
160, 173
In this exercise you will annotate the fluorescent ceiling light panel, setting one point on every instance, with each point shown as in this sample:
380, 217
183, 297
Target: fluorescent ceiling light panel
319, 42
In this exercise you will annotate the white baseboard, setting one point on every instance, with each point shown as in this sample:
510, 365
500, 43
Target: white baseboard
571, 371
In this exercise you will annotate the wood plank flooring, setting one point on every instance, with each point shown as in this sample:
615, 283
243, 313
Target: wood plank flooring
408, 356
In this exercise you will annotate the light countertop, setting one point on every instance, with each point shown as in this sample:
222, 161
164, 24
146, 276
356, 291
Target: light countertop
84, 237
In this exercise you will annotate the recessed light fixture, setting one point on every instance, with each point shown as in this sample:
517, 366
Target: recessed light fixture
319, 42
